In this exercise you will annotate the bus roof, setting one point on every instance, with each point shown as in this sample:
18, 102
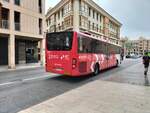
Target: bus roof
100, 39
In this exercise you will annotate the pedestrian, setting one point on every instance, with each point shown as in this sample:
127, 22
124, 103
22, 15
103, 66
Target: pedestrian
146, 60
122, 56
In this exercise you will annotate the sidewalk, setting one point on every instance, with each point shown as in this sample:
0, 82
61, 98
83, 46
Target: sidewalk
98, 97
20, 66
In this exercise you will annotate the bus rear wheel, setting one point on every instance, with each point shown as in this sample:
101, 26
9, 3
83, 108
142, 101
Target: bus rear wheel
96, 69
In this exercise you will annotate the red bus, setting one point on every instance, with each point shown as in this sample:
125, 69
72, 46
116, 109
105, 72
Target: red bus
74, 54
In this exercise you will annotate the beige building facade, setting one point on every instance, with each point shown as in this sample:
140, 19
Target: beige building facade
21, 31
139, 46
83, 16
144, 45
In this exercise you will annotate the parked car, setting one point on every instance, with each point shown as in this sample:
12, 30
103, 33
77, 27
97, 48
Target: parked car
128, 56
133, 56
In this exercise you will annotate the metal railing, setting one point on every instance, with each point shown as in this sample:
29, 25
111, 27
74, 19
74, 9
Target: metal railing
4, 24
95, 28
17, 26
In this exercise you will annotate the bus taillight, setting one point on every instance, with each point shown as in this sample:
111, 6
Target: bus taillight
74, 63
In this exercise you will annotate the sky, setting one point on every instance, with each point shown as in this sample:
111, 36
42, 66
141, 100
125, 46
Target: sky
133, 14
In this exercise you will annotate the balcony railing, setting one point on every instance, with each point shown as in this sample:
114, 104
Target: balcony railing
95, 29
83, 11
17, 26
4, 24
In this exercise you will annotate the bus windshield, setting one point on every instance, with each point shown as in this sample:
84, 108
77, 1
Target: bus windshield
61, 41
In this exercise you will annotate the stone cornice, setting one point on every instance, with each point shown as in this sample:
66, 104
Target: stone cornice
56, 7
90, 3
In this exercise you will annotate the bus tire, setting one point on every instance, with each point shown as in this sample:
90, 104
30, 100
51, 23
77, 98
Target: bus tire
96, 69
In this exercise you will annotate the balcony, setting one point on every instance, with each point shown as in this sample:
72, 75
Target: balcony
68, 13
84, 11
84, 25
95, 29
17, 26
4, 19
4, 24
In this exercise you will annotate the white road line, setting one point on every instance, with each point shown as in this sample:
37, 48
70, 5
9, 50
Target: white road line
28, 79
40, 77
9, 83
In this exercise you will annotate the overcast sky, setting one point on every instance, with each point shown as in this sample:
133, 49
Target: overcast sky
133, 14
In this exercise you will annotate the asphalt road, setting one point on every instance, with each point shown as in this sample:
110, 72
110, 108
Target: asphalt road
24, 88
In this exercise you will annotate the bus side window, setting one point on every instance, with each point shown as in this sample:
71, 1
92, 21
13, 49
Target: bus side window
67, 41
93, 45
104, 48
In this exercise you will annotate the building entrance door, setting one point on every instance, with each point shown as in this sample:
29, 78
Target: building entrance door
3, 51
31, 52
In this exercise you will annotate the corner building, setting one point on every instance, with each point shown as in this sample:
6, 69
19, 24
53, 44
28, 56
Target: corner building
84, 16
144, 45
21, 31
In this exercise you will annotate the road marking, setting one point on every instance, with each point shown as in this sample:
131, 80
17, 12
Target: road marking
40, 77
28, 79
9, 83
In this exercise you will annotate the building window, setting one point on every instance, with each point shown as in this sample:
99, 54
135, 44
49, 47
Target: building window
83, 22
93, 14
62, 12
47, 22
83, 8
17, 20
62, 25
58, 15
4, 19
68, 21
97, 28
67, 8
93, 26
89, 11
97, 16
17, 2
89, 24
100, 18
40, 6
40, 26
